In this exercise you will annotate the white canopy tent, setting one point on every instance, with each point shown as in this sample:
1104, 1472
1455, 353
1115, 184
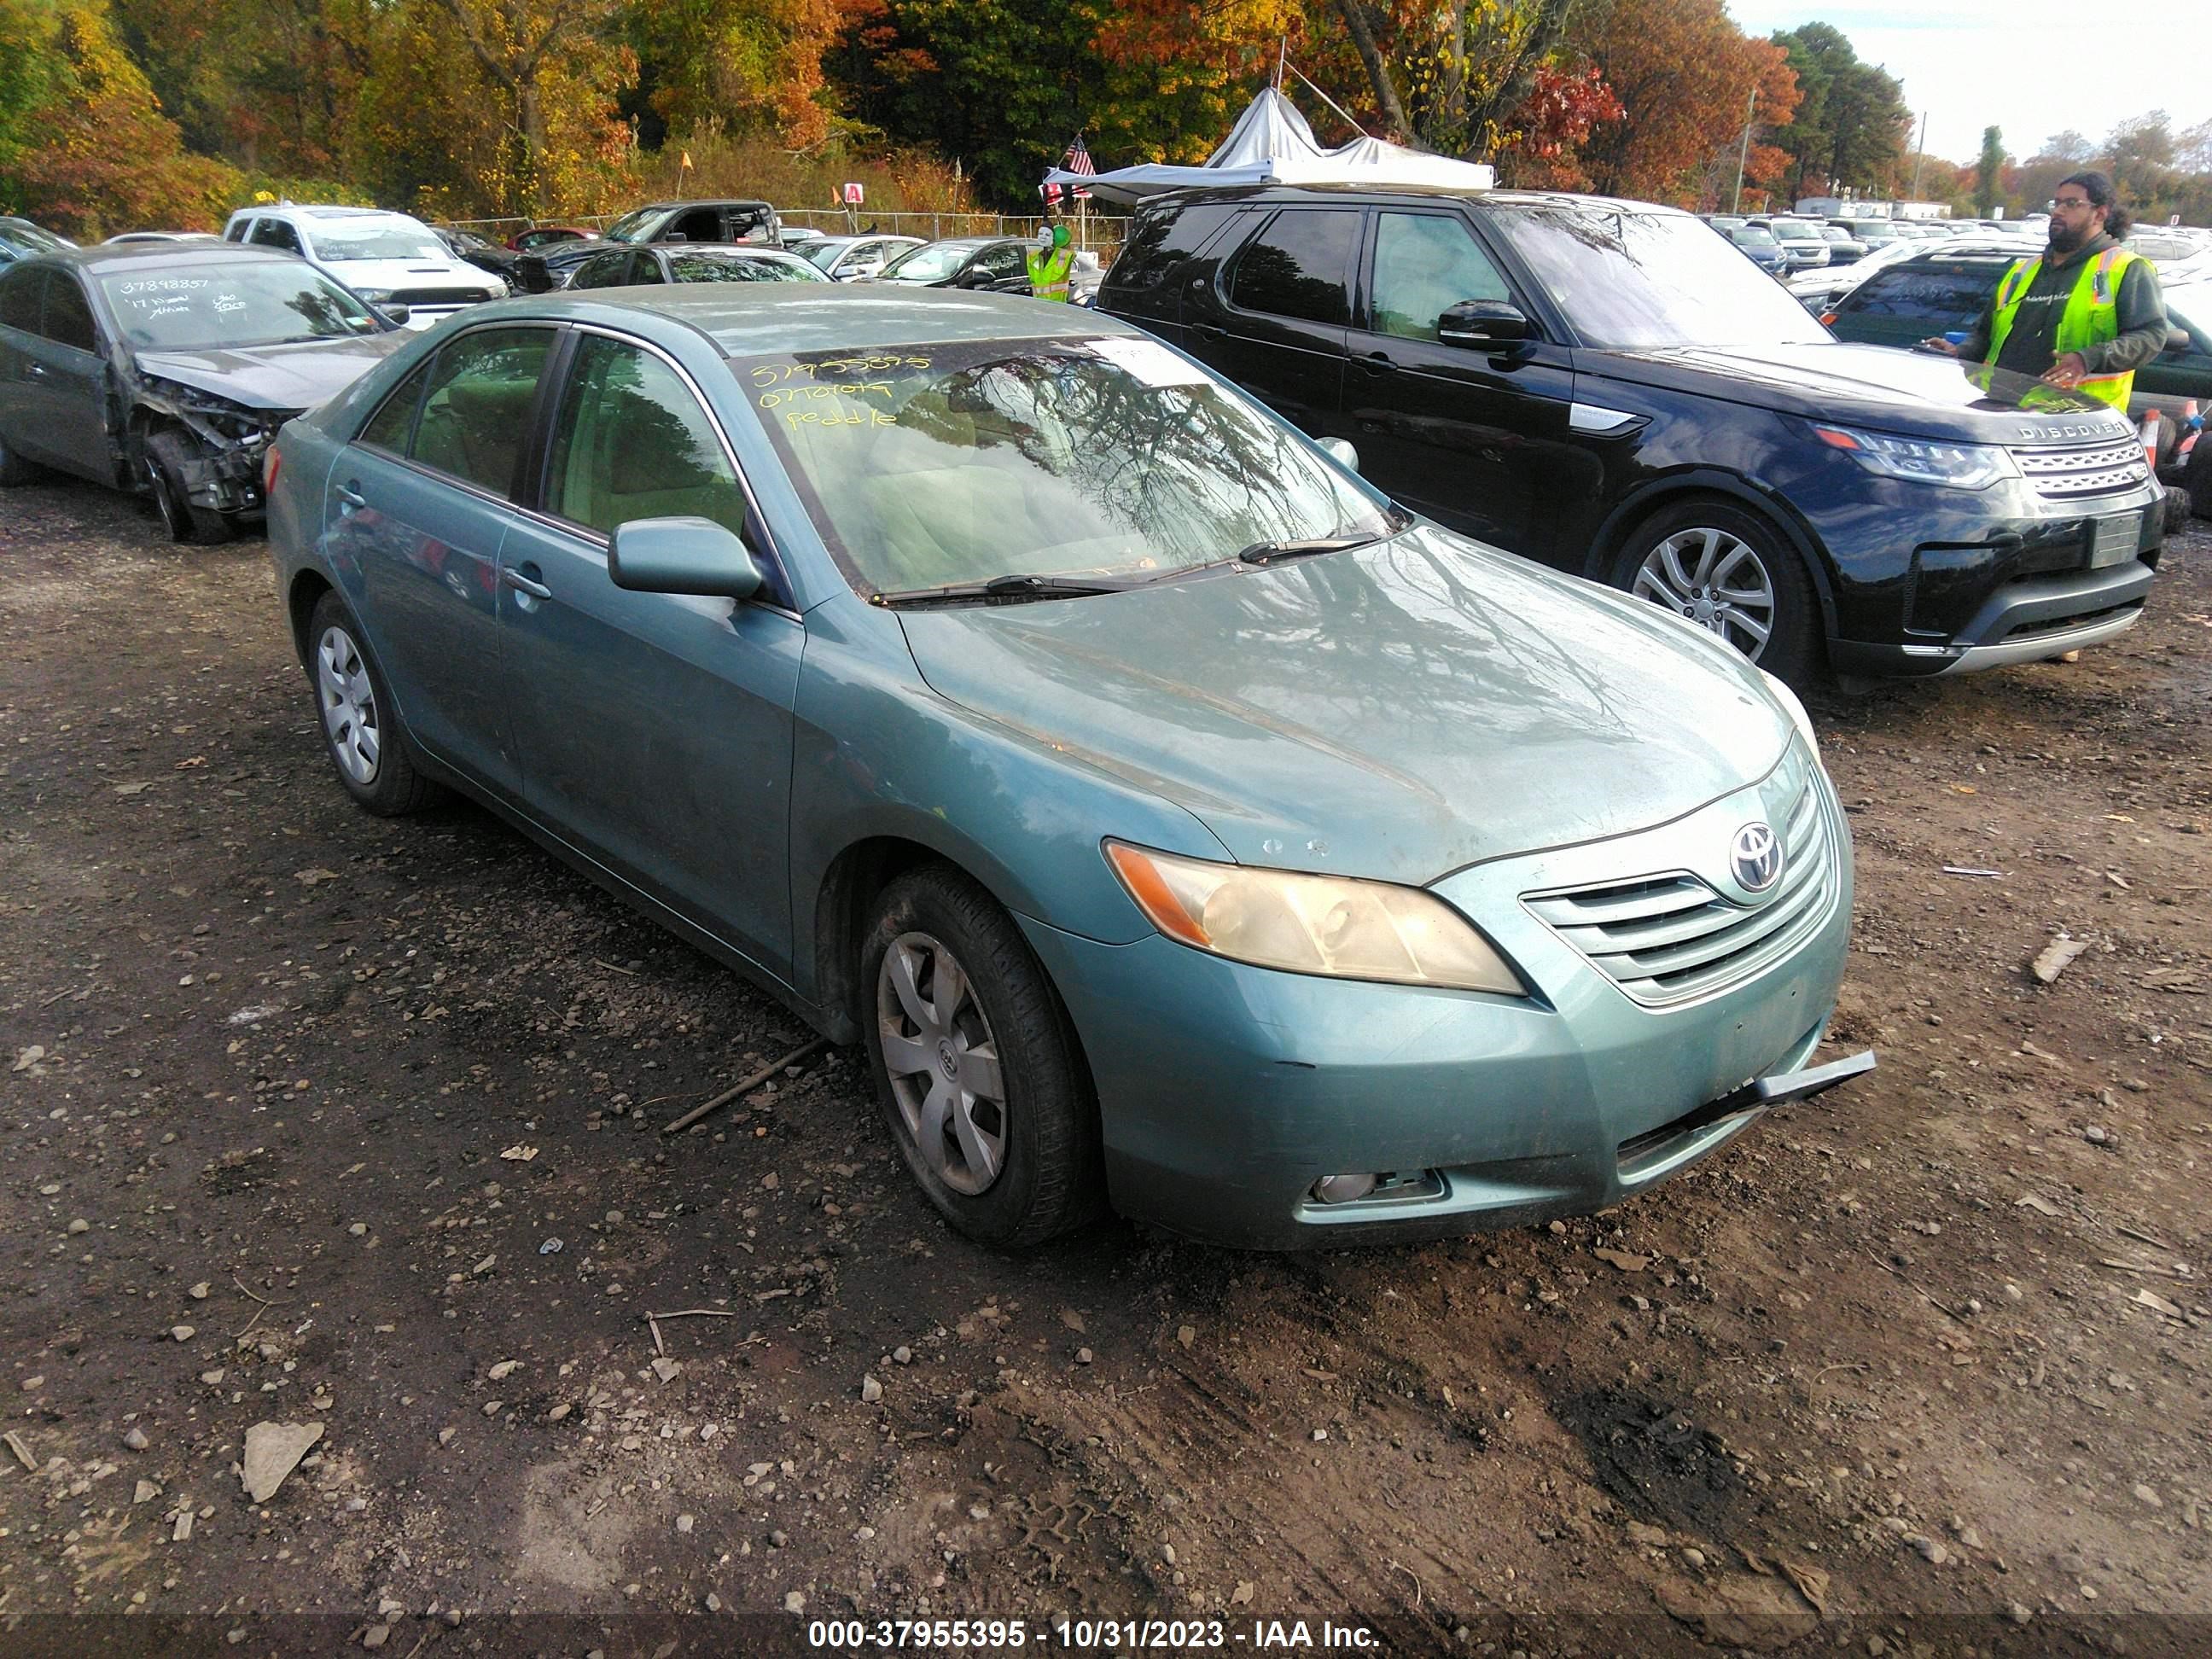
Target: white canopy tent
1271, 144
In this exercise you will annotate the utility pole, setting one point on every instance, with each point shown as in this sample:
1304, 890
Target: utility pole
1743, 155
1920, 155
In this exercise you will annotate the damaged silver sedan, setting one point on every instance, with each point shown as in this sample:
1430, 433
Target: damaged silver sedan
166, 371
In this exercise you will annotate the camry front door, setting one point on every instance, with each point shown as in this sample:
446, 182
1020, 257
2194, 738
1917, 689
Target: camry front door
655, 728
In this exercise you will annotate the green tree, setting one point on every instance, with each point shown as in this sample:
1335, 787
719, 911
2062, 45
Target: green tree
1851, 124
1988, 173
84, 148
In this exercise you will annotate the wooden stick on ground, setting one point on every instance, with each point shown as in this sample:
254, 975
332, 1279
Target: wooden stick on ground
746, 1086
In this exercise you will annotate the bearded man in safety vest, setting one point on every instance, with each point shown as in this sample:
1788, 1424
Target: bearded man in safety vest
1050, 260
2084, 315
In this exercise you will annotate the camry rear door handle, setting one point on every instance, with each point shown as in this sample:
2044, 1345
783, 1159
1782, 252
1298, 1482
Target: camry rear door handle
351, 496
1376, 362
512, 576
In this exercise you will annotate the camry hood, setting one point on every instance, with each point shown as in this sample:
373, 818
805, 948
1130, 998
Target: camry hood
295, 376
1395, 711
1913, 392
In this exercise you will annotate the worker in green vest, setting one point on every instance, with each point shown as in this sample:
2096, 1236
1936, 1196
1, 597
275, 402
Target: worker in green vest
1050, 263
2083, 315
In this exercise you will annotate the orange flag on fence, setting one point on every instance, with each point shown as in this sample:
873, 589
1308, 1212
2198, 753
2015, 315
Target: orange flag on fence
684, 164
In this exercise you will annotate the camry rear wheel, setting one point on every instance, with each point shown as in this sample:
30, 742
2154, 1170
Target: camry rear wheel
1731, 572
360, 728
976, 1069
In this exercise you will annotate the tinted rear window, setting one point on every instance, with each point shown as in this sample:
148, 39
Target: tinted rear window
1161, 240
1298, 266
1951, 295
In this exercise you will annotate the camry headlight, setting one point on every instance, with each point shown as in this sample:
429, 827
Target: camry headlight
1920, 461
1793, 706
1326, 925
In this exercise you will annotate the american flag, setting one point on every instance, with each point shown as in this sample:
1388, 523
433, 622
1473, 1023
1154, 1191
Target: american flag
1077, 160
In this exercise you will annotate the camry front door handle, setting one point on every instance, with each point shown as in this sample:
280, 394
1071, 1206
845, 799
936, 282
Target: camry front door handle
351, 497
512, 576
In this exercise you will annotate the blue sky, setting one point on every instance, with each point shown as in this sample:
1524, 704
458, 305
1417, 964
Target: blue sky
2031, 67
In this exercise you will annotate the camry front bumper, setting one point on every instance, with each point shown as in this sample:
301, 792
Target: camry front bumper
1226, 1092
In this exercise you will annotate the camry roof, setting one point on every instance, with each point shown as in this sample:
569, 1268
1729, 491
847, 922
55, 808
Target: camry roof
168, 255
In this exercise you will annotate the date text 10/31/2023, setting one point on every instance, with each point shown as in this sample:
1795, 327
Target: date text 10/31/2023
1012, 1635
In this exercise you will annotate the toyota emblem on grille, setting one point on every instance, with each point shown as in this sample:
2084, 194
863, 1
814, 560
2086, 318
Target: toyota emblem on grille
1755, 858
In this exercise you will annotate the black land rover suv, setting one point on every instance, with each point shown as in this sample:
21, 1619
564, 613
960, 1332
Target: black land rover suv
1609, 387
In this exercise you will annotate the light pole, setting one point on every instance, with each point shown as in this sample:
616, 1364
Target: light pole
1920, 155
1744, 154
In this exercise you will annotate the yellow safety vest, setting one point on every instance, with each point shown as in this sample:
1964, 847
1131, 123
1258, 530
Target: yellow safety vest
1048, 275
2092, 316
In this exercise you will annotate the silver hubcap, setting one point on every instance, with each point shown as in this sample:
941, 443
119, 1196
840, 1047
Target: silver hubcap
348, 706
1714, 580
943, 1063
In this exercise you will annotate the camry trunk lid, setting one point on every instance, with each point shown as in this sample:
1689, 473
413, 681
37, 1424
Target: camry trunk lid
1396, 711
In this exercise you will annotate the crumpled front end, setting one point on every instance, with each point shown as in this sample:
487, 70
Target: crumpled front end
222, 468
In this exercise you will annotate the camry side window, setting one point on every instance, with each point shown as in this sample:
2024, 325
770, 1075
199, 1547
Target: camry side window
1425, 263
1298, 266
601, 271
393, 423
18, 299
476, 410
633, 442
68, 317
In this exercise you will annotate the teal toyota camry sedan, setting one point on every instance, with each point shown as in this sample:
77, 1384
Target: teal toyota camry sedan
1182, 828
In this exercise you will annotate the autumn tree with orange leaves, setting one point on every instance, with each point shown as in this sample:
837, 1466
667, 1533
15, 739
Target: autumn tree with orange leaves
1685, 74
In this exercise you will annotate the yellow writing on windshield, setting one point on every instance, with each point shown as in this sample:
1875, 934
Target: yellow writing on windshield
832, 390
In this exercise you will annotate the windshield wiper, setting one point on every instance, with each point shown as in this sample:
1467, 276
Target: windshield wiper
1273, 552
1014, 590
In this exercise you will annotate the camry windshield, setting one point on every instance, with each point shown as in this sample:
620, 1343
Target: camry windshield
389, 239
1790, 231
233, 305
1752, 235
823, 253
1640, 281
929, 264
933, 466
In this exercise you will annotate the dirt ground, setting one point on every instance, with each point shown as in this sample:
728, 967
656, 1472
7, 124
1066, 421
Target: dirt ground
308, 1118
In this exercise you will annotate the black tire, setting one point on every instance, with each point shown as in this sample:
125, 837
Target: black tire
15, 470
1048, 1179
1791, 648
187, 526
2197, 480
388, 786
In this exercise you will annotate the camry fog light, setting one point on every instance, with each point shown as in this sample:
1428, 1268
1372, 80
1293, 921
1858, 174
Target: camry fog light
1343, 1189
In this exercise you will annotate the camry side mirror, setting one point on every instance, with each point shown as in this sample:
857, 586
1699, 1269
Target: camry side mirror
682, 555
1483, 323
1347, 456
2177, 342
396, 315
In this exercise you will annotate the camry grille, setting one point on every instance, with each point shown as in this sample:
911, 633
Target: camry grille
1667, 939
2071, 470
